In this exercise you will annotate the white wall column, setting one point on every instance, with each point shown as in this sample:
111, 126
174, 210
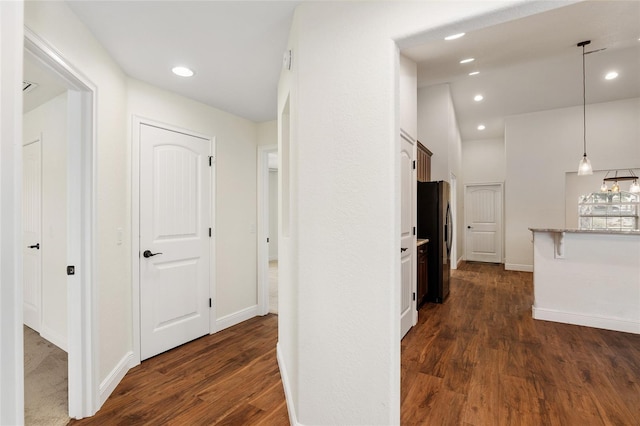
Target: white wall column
11, 352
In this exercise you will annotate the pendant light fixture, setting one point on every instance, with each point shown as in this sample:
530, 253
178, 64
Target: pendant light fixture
634, 188
584, 168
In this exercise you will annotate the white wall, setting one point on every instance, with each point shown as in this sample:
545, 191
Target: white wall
435, 126
11, 353
339, 340
268, 133
55, 23
438, 131
235, 139
541, 147
483, 161
48, 122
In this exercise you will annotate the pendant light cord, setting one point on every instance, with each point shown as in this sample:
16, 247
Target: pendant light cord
584, 106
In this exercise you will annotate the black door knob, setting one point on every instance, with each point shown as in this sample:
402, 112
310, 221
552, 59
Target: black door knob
147, 253
35, 246
468, 227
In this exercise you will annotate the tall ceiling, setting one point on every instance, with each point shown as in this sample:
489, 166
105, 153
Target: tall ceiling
534, 63
236, 48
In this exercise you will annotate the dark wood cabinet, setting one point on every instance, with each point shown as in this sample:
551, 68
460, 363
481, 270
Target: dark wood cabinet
424, 163
423, 283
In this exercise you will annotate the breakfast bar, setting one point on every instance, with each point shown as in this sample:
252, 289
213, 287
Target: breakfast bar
587, 277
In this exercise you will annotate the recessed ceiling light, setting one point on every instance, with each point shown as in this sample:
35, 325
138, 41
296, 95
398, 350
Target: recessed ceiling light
454, 36
474, 73
611, 75
182, 71
466, 61
481, 127
478, 98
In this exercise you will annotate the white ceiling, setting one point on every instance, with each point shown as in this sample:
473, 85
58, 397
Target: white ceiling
48, 86
533, 64
236, 47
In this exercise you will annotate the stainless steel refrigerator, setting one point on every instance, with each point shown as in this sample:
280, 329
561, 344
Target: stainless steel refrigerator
435, 223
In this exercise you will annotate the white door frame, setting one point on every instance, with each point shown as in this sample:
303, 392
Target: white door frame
263, 226
81, 187
11, 334
135, 227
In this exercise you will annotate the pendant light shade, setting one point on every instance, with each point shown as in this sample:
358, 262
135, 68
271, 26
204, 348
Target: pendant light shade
584, 168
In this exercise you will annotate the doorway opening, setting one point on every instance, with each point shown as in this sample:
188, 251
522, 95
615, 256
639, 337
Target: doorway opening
79, 326
268, 229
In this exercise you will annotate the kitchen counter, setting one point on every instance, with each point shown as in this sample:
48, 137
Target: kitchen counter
587, 277
587, 231
421, 242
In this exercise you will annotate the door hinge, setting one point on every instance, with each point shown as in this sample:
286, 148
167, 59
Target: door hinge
414, 296
71, 270
414, 230
209, 232
267, 239
414, 164
209, 302
210, 160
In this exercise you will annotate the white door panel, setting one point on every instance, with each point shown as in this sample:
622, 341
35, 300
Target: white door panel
31, 234
408, 316
483, 207
175, 200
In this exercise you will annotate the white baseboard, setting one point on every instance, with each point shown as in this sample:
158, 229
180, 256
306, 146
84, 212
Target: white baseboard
54, 337
293, 418
606, 323
110, 382
518, 267
236, 318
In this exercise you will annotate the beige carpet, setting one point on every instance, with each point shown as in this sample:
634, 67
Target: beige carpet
273, 286
45, 382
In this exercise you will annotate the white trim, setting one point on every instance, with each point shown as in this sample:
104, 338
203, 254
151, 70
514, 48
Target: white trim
110, 382
284, 376
82, 297
11, 296
606, 323
263, 226
518, 267
137, 121
236, 318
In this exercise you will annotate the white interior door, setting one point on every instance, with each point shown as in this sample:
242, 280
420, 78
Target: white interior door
483, 217
31, 233
408, 314
175, 205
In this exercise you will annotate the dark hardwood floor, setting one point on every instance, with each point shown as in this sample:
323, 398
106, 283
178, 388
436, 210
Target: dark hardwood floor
228, 378
480, 359
477, 359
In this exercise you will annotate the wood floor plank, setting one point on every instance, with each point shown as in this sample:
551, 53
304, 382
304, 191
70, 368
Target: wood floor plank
478, 359
516, 370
